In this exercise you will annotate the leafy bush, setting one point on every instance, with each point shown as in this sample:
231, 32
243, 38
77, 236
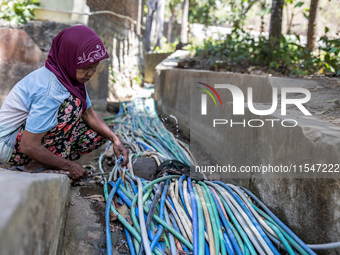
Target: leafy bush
329, 54
245, 50
19, 11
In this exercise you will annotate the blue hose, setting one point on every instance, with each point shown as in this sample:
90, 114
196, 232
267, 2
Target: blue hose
250, 215
145, 146
180, 187
177, 229
171, 237
127, 234
107, 217
237, 224
171, 203
161, 215
128, 237
134, 188
129, 242
281, 224
201, 222
194, 216
129, 203
207, 251
227, 241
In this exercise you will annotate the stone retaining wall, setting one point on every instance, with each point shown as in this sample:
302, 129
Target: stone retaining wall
26, 49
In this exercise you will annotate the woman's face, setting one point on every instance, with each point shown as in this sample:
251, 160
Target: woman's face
84, 74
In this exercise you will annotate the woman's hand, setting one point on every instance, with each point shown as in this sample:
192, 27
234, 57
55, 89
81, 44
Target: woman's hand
95, 122
31, 146
76, 170
120, 150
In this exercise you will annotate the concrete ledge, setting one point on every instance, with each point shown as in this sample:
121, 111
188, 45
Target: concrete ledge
32, 214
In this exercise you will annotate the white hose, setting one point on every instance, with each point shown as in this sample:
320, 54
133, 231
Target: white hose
144, 233
183, 217
240, 218
250, 207
186, 197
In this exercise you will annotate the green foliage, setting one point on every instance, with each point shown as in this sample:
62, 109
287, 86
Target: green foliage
19, 11
112, 75
241, 49
202, 12
166, 47
137, 79
293, 8
329, 54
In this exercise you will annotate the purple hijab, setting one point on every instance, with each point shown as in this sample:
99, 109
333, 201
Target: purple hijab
71, 49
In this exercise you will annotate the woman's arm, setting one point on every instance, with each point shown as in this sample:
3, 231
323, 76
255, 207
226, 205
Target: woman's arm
95, 122
31, 146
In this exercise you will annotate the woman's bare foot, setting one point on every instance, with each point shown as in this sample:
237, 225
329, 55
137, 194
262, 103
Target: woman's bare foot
31, 166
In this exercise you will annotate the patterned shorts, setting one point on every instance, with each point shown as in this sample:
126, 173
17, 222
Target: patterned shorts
70, 138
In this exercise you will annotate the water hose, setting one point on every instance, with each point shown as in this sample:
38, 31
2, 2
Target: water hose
184, 216
107, 217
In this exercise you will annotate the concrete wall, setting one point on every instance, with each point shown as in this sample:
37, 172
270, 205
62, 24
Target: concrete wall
26, 49
309, 204
151, 61
32, 215
122, 40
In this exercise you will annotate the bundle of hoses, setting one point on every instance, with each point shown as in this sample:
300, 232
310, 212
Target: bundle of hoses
176, 215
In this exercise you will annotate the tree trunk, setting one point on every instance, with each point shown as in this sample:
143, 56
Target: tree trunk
184, 25
276, 23
159, 22
148, 25
170, 25
311, 24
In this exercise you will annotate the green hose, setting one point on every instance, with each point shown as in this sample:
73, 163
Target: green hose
159, 220
216, 221
213, 220
283, 240
200, 217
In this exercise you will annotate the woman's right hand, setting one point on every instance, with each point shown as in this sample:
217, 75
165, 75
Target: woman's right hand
76, 170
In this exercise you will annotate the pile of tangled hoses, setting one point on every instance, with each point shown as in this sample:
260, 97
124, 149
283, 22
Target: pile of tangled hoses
176, 215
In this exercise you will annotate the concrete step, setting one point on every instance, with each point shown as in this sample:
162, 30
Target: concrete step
32, 212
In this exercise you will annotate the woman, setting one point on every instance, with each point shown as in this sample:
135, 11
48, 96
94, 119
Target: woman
47, 119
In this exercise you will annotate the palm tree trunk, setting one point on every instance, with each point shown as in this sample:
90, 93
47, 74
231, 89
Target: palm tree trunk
311, 24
